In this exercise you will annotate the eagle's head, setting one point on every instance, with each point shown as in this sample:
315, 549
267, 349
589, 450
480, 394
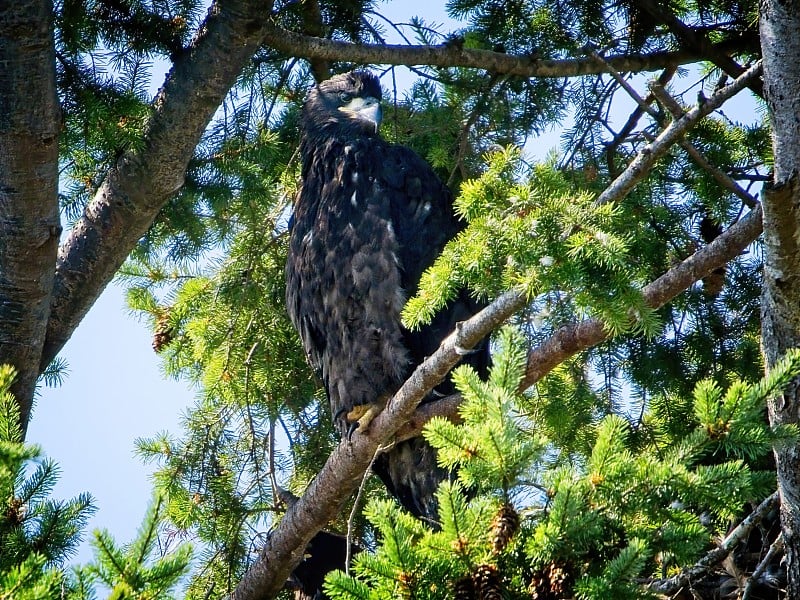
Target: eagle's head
349, 104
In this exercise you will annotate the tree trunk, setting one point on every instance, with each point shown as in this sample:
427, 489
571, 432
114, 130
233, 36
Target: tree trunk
143, 180
780, 22
29, 216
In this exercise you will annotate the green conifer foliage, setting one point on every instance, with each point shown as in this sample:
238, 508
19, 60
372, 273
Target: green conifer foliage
209, 277
37, 534
636, 504
537, 231
135, 570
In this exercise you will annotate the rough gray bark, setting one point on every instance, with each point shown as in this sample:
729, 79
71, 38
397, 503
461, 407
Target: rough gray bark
142, 181
780, 308
29, 218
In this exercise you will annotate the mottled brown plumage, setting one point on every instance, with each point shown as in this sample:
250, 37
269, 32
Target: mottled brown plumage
369, 219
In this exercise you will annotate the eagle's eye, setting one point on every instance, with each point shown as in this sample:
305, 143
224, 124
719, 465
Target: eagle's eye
345, 97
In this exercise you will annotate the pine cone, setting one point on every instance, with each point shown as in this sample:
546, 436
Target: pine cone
464, 589
15, 511
487, 582
164, 332
553, 582
504, 526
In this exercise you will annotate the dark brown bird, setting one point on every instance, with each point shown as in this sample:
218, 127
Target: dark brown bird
370, 217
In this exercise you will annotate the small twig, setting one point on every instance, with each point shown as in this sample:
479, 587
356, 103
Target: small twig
630, 125
463, 137
673, 584
777, 546
351, 519
271, 462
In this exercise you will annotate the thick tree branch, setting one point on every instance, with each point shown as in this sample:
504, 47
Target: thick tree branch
142, 181
576, 337
572, 339
312, 25
780, 300
29, 219
344, 468
450, 55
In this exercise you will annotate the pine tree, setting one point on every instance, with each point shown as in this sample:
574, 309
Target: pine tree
208, 275
595, 524
37, 534
134, 571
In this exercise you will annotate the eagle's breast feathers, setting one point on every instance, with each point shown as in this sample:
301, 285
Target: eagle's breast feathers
359, 243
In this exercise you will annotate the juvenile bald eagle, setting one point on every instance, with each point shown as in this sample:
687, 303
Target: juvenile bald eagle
370, 217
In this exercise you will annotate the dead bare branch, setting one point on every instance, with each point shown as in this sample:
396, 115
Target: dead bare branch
674, 584
719, 175
659, 92
643, 162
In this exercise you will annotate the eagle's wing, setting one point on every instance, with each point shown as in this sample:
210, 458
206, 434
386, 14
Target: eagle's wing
369, 219
343, 275
422, 209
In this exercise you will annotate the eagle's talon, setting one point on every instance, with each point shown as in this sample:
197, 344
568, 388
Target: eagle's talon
351, 429
357, 412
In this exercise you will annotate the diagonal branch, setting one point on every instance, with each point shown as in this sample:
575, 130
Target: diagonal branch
697, 41
674, 584
344, 468
657, 90
720, 176
142, 180
644, 161
451, 55
571, 339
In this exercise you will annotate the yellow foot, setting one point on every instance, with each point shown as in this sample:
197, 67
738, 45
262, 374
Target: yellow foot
361, 416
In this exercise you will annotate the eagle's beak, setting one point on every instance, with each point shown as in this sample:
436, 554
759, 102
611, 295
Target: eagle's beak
365, 109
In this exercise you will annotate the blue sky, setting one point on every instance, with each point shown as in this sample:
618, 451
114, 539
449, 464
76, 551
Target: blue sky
113, 393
